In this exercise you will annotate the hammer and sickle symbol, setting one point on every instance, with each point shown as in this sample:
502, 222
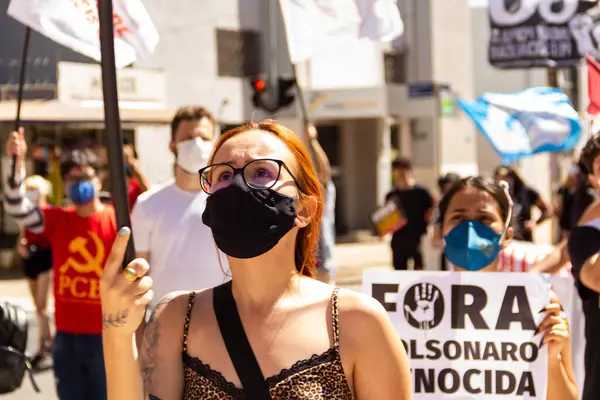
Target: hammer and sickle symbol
92, 264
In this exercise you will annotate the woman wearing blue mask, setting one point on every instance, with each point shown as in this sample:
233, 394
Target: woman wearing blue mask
475, 215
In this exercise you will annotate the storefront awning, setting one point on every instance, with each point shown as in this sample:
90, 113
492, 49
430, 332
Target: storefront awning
55, 111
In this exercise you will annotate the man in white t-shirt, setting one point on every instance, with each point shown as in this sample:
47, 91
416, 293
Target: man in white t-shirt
167, 221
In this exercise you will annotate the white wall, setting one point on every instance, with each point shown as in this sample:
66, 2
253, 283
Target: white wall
358, 64
452, 63
187, 51
416, 15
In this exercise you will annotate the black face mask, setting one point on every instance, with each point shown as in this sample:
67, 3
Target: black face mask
248, 222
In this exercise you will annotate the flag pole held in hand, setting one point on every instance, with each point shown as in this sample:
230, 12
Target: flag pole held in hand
22, 72
112, 122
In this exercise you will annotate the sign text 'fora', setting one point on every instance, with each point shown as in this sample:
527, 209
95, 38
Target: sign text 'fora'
469, 301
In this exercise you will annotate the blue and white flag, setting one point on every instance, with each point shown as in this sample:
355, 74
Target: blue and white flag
524, 123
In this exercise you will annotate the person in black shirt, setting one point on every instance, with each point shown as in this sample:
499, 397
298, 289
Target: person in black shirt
415, 203
524, 198
584, 251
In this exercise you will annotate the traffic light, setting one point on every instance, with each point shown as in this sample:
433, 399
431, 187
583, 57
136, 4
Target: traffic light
285, 94
259, 87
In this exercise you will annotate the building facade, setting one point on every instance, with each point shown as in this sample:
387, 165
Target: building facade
371, 102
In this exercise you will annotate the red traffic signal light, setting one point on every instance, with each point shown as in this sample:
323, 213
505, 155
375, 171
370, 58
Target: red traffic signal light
259, 85
259, 88
283, 94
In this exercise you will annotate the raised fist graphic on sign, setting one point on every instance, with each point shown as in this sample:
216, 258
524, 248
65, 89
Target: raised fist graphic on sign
420, 304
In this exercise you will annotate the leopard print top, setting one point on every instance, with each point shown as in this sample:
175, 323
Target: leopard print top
320, 377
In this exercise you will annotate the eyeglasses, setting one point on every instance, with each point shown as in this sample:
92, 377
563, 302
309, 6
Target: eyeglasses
257, 174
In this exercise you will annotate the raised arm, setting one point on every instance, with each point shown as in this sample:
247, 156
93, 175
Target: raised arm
545, 208
321, 159
26, 214
123, 306
554, 261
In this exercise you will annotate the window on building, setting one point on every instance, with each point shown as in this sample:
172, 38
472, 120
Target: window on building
395, 67
238, 53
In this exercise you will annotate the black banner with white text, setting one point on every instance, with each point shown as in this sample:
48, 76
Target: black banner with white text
542, 33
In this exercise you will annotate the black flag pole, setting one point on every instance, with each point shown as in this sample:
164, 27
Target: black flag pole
112, 121
22, 73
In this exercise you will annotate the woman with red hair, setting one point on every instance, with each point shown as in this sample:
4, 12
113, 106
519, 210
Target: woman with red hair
312, 340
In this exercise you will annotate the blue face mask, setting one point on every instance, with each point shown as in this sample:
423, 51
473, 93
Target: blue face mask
472, 245
82, 192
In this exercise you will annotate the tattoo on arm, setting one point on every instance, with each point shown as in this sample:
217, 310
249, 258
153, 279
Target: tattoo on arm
114, 320
150, 344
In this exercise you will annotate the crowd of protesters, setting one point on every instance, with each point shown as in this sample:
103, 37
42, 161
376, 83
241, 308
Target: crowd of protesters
265, 196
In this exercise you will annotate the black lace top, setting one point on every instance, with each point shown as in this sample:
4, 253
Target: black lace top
319, 377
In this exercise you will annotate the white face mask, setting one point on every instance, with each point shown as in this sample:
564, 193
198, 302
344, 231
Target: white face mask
33, 196
193, 154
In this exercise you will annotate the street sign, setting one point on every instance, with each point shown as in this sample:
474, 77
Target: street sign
421, 89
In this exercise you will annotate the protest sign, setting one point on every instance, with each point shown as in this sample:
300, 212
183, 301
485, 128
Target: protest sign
388, 219
468, 335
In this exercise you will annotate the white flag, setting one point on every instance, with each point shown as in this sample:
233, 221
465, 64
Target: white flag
313, 26
75, 24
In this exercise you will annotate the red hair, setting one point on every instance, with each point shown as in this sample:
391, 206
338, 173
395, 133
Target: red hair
305, 253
